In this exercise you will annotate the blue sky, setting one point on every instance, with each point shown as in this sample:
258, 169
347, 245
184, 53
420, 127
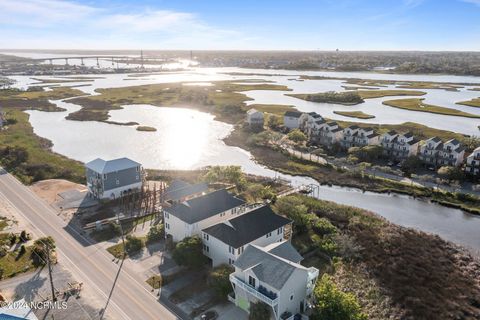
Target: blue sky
246, 24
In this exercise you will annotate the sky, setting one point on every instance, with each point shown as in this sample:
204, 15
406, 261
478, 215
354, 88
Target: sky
436, 25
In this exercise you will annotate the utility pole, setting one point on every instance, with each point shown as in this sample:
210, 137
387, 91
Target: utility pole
47, 249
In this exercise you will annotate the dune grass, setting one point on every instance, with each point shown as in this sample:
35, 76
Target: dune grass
418, 105
354, 114
471, 103
278, 109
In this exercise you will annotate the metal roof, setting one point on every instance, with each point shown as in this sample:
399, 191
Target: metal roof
106, 166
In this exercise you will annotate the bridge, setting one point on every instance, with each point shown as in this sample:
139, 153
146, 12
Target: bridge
115, 59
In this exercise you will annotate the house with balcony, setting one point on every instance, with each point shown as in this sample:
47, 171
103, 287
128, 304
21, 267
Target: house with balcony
349, 136
398, 146
291, 119
437, 153
366, 137
274, 276
310, 124
254, 119
110, 179
189, 218
329, 133
224, 242
452, 154
429, 151
473, 163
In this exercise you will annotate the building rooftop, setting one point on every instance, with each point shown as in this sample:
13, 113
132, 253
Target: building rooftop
106, 166
179, 189
285, 250
293, 114
267, 267
203, 207
248, 227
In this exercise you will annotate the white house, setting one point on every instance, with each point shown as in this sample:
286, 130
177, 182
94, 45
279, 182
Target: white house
436, 153
188, 218
274, 276
310, 123
225, 242
399, 146
473, 163
429, 151
348, 136
451, 154
254, 119
111, 179
329, 134
291, 119
366, 137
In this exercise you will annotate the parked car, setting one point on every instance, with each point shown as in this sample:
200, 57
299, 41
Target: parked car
209, 315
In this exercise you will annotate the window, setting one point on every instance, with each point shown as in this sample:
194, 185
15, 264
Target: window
136, 177
205, 236
167, 215
251, 281
279, 230
104, 176
137, 169
117, 182
206, 248
231, 250
291, 297
269, 235
167, 225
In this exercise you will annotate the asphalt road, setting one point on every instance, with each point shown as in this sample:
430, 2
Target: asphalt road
88, 263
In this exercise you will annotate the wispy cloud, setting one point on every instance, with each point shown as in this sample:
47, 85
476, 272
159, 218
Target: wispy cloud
42, 12
410, 4
477, 2
160, 20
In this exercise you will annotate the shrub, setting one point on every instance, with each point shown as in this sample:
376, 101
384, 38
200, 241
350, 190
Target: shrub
188, 253
333, 304
323, 226
156, 233
133, 244
297, 136
219, 280
39, 252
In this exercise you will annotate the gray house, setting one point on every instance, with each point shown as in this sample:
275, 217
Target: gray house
111, 179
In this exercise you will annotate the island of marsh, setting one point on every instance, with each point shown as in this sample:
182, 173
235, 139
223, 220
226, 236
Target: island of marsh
355, 114
146, 128
222, 98
354, 97
471, 103
418, 105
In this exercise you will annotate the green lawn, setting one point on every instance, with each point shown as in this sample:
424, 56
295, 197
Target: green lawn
355, 114
13, 264
418, 105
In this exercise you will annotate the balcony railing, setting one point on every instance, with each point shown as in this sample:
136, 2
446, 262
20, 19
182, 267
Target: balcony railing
239, 283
